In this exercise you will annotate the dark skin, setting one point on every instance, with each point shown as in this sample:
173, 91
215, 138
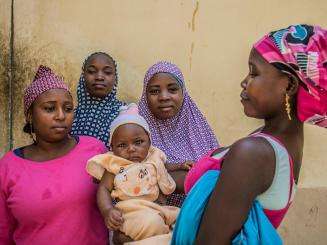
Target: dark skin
248, 168
100, 75
165, 99
131, 142
51, 115
164, 96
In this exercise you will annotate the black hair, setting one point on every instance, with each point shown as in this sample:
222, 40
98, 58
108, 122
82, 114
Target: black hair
28, 128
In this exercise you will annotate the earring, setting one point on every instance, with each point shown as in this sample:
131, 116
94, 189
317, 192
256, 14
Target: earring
288, 106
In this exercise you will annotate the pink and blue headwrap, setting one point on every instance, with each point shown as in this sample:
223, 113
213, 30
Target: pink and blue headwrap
301, 50
187, 136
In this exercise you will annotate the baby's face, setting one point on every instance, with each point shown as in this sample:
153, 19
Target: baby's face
130, 141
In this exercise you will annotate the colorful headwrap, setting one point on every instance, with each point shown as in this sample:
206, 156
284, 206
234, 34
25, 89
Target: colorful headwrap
301, 50
187, 136
43, 81
93, 116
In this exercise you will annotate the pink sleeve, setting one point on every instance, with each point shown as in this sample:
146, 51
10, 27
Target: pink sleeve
201, 167
7, 221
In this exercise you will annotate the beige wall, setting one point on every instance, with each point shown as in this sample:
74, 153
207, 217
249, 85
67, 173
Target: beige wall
209, 40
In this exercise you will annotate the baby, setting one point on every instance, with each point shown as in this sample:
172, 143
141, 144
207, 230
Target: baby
133, 174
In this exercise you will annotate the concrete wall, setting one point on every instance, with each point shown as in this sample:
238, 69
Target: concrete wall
209, 40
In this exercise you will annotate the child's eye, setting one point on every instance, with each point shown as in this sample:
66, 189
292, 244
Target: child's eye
121, 170
138, 142
122, 145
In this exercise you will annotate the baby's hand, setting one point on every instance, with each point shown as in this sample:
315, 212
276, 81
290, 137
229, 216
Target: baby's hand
114, 219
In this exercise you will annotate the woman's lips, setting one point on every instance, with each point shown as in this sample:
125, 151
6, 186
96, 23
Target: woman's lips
166, 108
244, 96
59, 129
99, 85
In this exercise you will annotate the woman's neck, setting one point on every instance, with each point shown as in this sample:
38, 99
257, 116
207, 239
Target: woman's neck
283, 126
290, 132
43, 150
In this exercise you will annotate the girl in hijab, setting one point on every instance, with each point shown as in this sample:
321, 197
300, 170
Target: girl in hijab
177, 126
98, 105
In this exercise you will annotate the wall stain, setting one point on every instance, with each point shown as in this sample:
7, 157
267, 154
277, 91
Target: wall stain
26, 62
312, 216
195, 11
191, 53
4, 92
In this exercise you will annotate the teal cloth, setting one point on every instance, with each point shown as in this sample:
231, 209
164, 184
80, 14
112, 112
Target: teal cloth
256, 230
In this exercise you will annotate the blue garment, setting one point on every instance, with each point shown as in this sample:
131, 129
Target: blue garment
256, 230
93, 116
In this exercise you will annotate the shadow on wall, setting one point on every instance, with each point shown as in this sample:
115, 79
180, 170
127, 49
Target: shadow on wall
4, 92
26, 61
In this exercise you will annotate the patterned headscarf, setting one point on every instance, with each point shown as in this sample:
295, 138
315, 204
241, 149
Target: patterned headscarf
186, 136
93, 116
301, 50
43, 81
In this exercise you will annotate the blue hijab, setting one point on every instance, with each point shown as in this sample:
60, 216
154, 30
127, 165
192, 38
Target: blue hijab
93, 116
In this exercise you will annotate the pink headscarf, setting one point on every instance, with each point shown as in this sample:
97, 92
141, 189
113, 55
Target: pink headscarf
44, 80
301, 50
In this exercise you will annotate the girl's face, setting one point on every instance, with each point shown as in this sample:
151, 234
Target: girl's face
264, 89
164, 96
130, 141
52, 115
100, 75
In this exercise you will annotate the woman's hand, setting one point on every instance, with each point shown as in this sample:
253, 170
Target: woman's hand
114, 219
162, 199
186, 166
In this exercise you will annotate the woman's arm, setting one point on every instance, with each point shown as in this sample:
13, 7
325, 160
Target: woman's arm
247, 171
179, 177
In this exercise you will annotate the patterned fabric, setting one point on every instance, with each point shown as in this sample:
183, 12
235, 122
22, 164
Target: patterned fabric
301, 50
43, 81
93, 116
187, 136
